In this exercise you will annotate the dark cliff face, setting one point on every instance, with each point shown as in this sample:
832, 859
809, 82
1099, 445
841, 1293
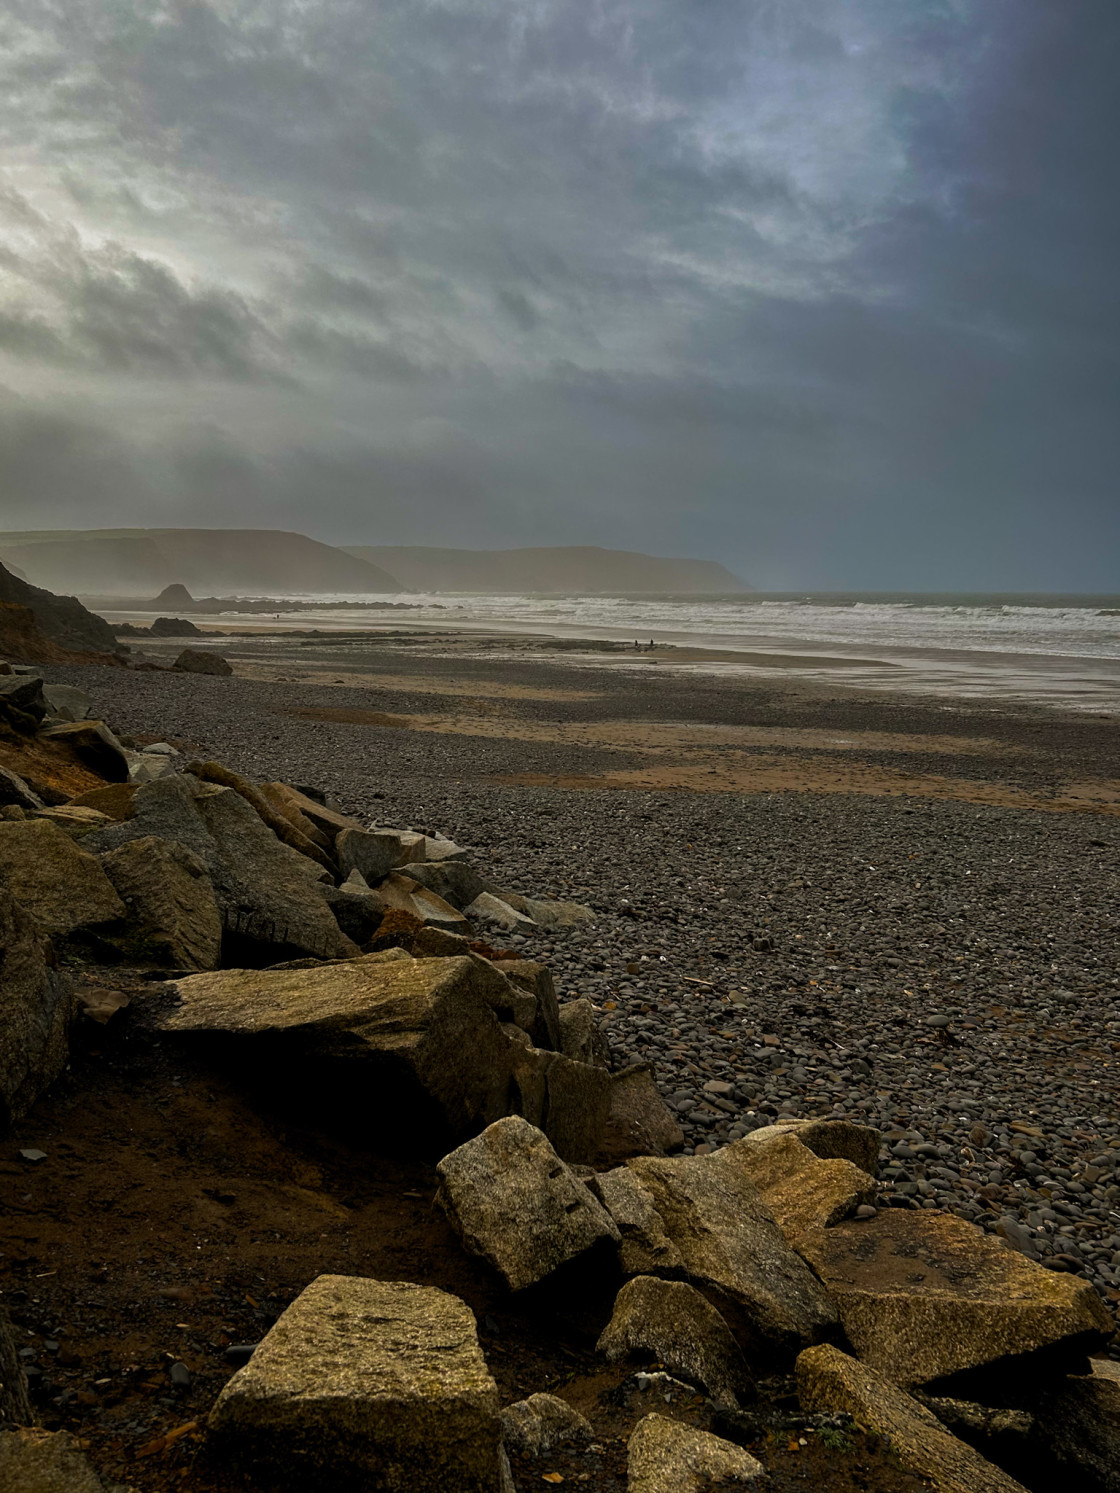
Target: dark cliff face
60, 619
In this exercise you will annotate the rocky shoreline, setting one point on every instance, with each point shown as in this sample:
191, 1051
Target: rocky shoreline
930, 983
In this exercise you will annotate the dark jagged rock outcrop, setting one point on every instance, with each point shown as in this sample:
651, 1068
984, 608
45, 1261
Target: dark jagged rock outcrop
60, 624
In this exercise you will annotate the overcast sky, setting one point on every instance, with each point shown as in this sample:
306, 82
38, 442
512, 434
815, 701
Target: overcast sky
825, 289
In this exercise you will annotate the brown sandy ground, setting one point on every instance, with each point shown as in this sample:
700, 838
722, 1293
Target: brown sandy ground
509, 689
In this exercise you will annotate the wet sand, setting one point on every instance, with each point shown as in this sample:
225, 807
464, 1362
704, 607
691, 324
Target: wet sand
1063, 682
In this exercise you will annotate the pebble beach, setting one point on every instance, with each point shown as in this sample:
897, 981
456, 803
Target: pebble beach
902, 911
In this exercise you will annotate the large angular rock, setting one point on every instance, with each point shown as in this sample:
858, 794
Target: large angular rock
1078, 1424
670, 1322
537, 980
60, 884
707, 1225
37, 1008
280, 825
438, 943
398, 891
281, 803
366, 1383
169, 898
94, 745
405, 1041
514, 1203
645, 1245
75, 820
167, 809
300, 808
508, 1000
357, 911
804, 1193
534, 1426
436, 848
639, 1122
829, 1381
668, 1456
376, 852
549, 914
37, 1461
833, 1140
200, 661
925, 1296
22, 705
492, 912
67, 703
577, 1100
146, 767
113, 800
267, 892
13, 790
454, 881
580, 1037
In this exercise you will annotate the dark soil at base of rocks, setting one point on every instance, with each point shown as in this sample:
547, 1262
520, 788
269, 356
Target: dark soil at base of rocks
173, 1220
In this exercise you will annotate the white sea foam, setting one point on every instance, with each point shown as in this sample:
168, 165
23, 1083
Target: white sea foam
1061, 631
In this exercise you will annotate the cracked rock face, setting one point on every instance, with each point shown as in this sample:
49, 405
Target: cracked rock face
370, 1383
804, 1192
671, 1323
36, 1012
513, 1202
695, 1220
667, 1456
830, 1380
60, 884
389, 1036
925, 1296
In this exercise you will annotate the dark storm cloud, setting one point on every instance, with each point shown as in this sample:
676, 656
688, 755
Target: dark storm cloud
826, 289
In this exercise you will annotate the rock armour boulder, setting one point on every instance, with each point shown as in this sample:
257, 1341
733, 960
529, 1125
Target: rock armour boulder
693, 1220
60, 884
667, 1456
639, 1122
37, 1461
828, 1380
514, 1203
410, 1043
670, 1322
804, 1192
169, 899
366, 1384
266, 892
925, 1296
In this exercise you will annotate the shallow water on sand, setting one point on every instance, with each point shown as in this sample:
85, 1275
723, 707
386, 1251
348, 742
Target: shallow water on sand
1053, 650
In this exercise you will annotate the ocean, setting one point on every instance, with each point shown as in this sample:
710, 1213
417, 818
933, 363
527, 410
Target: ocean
1061, 650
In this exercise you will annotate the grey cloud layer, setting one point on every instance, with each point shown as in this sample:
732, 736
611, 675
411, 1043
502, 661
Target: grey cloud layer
805, 285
